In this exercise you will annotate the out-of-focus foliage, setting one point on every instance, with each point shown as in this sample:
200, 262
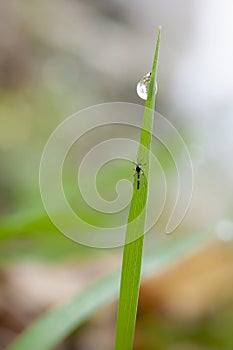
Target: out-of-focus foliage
43, 335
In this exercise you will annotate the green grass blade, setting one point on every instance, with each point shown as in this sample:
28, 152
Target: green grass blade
132, 256
54, 326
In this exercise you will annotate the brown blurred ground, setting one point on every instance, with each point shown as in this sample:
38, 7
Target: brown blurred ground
193, 290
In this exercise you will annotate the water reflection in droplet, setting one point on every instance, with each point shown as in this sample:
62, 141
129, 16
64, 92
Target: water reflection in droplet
143, 85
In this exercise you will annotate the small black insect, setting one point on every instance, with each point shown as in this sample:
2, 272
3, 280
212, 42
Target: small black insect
139, 171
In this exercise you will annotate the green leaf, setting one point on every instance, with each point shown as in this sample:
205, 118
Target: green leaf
132, 257
54, 326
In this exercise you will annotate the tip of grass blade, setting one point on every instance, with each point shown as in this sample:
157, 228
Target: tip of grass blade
150, 102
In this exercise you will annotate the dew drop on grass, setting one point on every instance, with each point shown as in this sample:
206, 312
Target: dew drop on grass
143, 85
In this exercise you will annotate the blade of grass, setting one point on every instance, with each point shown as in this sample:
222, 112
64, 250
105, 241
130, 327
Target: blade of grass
132, 256
54, 326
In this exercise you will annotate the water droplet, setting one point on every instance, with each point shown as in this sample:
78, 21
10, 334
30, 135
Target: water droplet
224, 230
143, 85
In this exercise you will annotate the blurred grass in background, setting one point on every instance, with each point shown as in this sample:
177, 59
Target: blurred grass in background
59, 57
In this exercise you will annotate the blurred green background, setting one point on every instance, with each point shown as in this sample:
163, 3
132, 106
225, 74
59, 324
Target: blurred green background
59, 57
